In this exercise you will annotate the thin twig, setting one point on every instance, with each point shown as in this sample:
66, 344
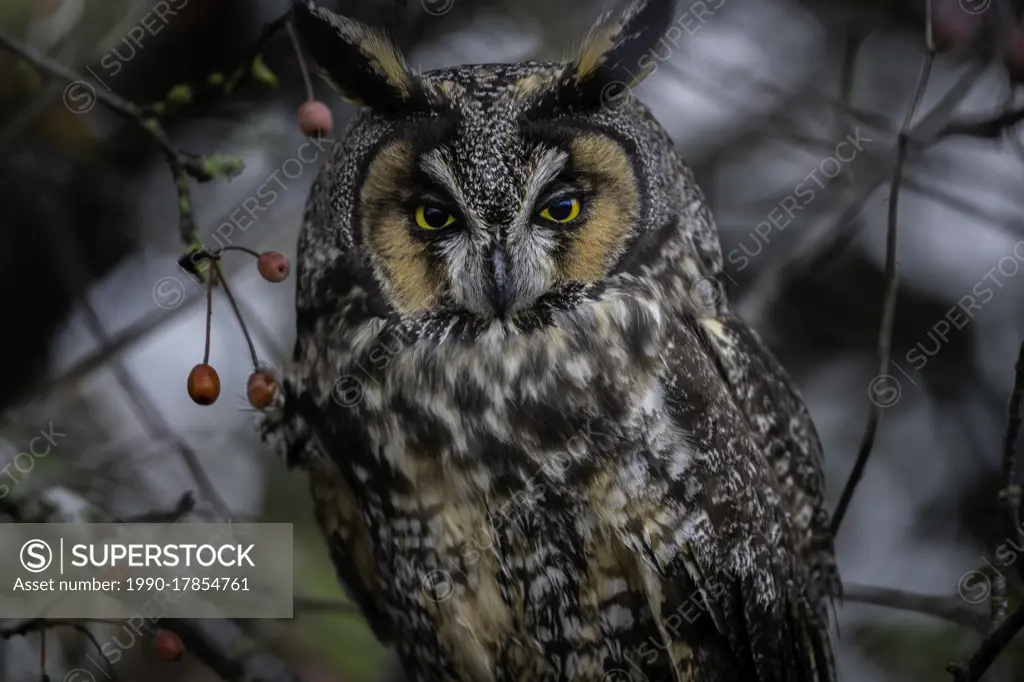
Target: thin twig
853, 38
260, 329
1005, 629
187, 226
1015, 416
238, 313
209, 315
1008, 497
302, 61
889, 304
245, 249
85, 632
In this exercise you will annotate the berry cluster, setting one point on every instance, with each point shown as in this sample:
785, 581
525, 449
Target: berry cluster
203, 382
315, 120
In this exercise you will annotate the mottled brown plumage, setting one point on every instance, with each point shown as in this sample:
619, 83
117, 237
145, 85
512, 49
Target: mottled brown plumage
538, 449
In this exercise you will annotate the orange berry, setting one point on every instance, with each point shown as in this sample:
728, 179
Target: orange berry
168, 645
315, 119
261, 389
273, 266
203, 384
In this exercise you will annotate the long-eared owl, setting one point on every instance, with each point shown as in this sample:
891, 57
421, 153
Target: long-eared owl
540, 445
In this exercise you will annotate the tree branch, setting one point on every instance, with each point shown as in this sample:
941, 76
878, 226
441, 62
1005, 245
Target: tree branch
950, 609
118, 105
186, 503
1004, 629
183, 165
889, 303
985, 656
987, 128
1008, 497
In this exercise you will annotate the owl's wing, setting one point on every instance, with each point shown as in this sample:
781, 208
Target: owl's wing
710, 529
762, 389
760, 386
784, 431
295, 432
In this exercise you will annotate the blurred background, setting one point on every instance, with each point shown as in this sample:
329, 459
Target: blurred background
788, 111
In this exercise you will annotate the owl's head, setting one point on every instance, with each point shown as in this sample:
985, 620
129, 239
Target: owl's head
486, 189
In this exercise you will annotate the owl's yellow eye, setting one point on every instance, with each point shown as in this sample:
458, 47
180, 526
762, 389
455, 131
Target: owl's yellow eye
433, 218
562, 210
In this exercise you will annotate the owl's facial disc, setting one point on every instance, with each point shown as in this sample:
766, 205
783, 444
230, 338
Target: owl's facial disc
492, 235
495, 184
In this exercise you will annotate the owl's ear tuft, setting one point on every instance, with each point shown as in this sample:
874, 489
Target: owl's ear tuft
615, 55
614, 48
361, 62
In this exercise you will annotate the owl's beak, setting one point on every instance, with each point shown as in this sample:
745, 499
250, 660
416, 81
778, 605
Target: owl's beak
501, 291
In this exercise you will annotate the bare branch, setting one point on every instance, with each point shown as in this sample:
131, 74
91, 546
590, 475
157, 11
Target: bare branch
889, 304
1004, 629
183, 165
818, 240
114, 103
950, 609
85, 632
185, 504
985, 656
1008, 497
237, 312
992, 128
